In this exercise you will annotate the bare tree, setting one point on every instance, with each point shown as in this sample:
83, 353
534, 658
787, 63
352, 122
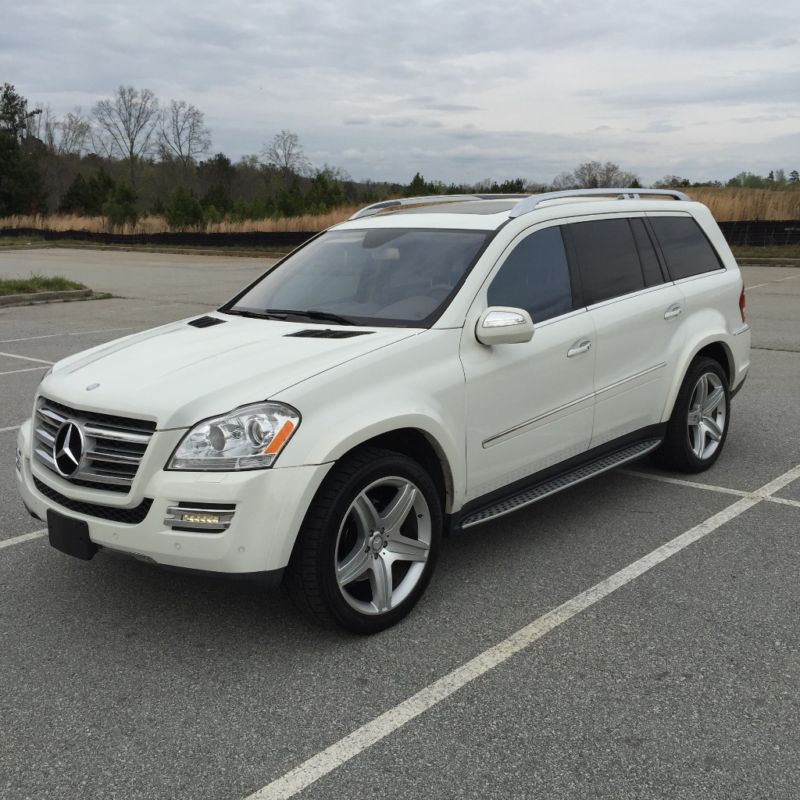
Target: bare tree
286, 153
73, 132
65, 136
183, 134
594, 175
126, 123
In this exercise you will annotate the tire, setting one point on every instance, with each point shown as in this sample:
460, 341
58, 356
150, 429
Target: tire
369, 542
698, 428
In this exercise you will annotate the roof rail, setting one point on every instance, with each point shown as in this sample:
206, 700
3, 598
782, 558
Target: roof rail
530, 203
376, 208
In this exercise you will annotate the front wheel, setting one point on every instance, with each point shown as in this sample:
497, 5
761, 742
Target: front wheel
698, 427
369, 542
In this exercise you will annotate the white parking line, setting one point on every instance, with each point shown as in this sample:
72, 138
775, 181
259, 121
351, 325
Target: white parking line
709, 487
681, 482
27, 369
66, 333
10, 428
26, 537
27, 358
768, 283
372, 732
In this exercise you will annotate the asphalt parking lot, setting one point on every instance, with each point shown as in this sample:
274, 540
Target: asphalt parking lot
634, 637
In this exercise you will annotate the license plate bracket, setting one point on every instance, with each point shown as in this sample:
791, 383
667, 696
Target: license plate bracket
70, 536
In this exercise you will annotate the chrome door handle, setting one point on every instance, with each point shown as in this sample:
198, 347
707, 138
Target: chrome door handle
579, 347
673, 311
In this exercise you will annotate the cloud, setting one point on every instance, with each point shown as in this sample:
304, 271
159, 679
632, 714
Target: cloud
661, 126
523, 88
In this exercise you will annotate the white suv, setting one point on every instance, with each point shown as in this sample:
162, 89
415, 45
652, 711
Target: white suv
428, 365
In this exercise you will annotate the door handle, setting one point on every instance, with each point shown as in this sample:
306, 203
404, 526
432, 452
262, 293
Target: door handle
673, 311
579, 347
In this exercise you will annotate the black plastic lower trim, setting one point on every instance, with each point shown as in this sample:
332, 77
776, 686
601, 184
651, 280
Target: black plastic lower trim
128, 516
643, 434
269, 579
738, 389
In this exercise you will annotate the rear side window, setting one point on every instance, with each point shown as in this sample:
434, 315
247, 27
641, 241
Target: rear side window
651, 269
607, 258
535, 276
685, 247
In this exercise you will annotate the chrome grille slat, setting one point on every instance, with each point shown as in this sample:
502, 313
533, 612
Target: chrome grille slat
45, 457
116, 435
44, 435
115, 480
114, 458
49, 415
114, 446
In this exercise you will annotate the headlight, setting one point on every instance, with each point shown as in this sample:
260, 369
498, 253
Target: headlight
250, 437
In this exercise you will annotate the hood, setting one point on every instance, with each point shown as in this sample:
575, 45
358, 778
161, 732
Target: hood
179, 374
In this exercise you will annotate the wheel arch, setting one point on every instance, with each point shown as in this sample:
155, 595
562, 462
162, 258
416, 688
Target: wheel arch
711, 347
423, 448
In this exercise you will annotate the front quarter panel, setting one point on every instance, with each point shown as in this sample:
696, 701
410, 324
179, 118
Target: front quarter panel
420, 386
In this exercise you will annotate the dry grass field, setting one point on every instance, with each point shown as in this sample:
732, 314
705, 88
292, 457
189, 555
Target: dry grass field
748, 204
726, 204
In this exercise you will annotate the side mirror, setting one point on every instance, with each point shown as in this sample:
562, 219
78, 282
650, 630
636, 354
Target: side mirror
502, 325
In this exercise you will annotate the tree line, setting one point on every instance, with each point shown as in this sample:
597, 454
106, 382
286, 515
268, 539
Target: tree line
133, 154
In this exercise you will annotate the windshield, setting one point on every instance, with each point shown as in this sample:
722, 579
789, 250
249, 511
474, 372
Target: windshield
398, 277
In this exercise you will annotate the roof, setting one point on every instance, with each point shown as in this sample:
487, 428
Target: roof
489, 212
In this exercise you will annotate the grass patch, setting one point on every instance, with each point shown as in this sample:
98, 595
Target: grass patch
19, 241
35, 284
775, 251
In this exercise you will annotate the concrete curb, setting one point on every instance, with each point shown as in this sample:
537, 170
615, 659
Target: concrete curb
44, 297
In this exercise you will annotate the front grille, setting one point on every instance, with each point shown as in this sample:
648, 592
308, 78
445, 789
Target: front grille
130, 516
113, 446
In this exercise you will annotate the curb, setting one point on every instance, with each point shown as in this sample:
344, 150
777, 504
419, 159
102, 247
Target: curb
44, 297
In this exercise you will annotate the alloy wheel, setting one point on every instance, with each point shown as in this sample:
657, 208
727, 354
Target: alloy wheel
383, 544
708, 409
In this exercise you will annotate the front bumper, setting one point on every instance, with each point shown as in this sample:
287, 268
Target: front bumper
269, 508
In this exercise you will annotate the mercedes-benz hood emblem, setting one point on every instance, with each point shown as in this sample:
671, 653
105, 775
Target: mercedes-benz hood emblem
68, 449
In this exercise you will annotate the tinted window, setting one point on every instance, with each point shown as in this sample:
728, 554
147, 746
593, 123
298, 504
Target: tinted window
607, 257
685, 247
380, 276
651, 269
535, 277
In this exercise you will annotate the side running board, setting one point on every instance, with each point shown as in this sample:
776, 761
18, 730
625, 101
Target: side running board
545, 488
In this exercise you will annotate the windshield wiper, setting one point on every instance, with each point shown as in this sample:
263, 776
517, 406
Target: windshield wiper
322, 316
240, 312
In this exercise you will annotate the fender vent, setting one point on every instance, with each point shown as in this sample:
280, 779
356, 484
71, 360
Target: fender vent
327, 333
205, 322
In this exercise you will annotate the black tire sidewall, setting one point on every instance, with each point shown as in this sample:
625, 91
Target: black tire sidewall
698, 368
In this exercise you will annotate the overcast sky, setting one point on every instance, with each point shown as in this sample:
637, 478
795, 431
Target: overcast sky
457, 90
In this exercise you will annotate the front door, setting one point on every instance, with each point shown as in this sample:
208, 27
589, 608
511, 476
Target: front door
529, 405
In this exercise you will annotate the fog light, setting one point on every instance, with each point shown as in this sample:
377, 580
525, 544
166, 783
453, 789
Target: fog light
19, 460
213, 518
201, 519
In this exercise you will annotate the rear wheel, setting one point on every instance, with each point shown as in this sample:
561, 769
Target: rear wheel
369, 542
697, 430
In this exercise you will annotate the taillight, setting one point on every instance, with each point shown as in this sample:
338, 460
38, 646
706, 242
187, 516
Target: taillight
742, 304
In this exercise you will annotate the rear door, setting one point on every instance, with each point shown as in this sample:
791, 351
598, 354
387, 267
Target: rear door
637, 312
529, 405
